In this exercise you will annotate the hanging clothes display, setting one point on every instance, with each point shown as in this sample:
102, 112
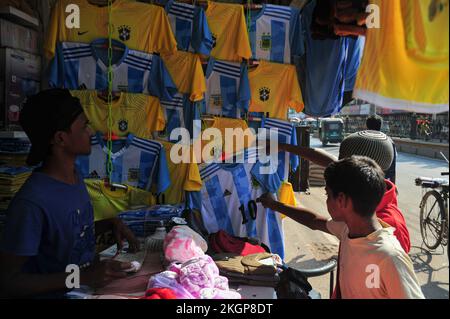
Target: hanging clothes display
185, 69
275, 34
137, 114
140, 26
230, 38
190, 27
228, 89
137, 162
274, 89
403, 67
84, 66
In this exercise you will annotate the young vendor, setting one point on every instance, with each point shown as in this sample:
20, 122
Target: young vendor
50, 222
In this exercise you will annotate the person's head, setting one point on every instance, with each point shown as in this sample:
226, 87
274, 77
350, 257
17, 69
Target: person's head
372, 144
374, 123
55, 123
354, 186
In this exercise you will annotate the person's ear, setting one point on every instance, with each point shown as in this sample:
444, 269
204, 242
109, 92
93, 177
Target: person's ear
58, 138
343, 201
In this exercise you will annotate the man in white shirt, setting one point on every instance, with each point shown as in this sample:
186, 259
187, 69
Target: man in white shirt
372, 263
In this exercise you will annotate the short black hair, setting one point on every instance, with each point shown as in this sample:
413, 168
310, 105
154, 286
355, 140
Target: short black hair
361, 179
374, 123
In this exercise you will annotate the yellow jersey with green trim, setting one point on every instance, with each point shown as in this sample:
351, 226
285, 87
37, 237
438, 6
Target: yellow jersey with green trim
140, 26
229, 30
136, 114
404, 66
186, 71
274, 89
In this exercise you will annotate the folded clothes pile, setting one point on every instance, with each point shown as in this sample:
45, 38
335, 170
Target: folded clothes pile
222, 242
182, 244
11, 180
256, 269
339, 18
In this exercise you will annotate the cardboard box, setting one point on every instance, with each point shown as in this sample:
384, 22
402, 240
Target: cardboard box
18, 37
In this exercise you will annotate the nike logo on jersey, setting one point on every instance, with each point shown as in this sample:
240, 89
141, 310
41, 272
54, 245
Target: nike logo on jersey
82, 33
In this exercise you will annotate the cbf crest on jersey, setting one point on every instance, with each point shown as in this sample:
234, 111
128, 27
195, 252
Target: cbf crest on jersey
264, 94
124, 33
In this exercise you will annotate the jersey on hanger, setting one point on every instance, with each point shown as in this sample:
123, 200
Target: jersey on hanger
398, 74
353, 61
84, 66
274, 89
228, 201
136, 162
228, 90
140, 26
229, 30
137, 114
190, 27
179, 113
108, 204
187, 73
275, 34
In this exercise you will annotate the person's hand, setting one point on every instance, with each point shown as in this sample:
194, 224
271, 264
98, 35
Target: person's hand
267, 200
103, 272
121, 232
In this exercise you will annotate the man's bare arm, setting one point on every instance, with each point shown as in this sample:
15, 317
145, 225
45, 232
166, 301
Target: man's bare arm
315, 155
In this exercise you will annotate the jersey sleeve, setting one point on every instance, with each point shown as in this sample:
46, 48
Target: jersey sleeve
23, 229
294, 159
202, 41
56, 69
295, 93
270, 182
162, 178
198, 81
242, 40
244, 90
155, 117
161, 84
53, 34
296, 35
161, 35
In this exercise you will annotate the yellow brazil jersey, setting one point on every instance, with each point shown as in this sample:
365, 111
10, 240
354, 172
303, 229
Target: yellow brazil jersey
398, 70
184, 175
187, 73
140, 26
274, 89
108, 203
230, 36
286, 195
136, 114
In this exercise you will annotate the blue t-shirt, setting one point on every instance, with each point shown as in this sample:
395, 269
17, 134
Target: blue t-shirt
52, 223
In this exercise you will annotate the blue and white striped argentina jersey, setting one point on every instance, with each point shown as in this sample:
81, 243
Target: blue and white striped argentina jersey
228, 201
275, 34
179, 113
227, 89
190, 27
286, 135
83, 66
136, 162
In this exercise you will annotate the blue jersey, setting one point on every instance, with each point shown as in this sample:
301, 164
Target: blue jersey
275, 34
84, 66
136, 162
228, 202
190, 27
179, 113
354, 57
228, 89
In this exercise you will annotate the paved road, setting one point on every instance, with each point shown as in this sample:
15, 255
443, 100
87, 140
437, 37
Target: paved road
304, 247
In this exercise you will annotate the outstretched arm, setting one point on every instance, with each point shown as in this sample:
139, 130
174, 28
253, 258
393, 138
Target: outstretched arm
315, 155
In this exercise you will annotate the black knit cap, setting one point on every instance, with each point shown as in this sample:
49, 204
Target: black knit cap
373, 144
43, 115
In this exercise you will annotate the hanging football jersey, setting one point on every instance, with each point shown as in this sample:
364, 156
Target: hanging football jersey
229, 195
137, 114
228, 89
286, 135
108, 204
140, 26
187, 73
229, 31
184, 176
83, 66
275, 34
353, 61
274, 89
322, 71
190, 27
398, 73
179, 113
136, 162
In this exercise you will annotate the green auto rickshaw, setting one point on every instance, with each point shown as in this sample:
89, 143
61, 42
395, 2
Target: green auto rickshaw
331, 130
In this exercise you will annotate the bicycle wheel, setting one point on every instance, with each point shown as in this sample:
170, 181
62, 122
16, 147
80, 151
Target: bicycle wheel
432, 219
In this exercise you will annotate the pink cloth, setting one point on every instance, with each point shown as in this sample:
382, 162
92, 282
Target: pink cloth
169, 279
181, 245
